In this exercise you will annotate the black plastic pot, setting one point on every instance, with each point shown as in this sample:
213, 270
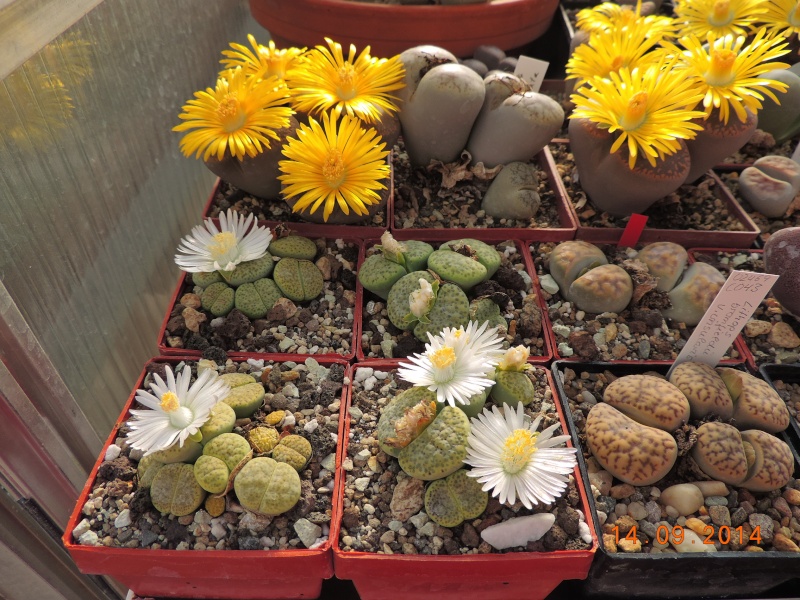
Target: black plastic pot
713, 575
787, 374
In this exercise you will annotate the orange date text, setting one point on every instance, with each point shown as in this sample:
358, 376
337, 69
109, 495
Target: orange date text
675, 535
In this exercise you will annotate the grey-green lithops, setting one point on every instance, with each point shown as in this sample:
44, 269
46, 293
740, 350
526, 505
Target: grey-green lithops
246, 395
298, 280
175, 490
293, 246
487, 255
255, 299
250, 271
393, 432
440, 449
218, 299
187, 453
230, 448
211, 474
462, 270
665, 261
451, 309
294, 450
513, 387
267, 487
204, 280
483, 310
398, 305
220, 420
454, 499
378, 274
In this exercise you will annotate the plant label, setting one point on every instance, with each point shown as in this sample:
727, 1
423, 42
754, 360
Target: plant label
633, 231
729, 312
531, 70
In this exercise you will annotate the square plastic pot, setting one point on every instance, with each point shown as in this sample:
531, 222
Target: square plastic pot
547, 350
741, 574
185, 286
564, 231
687, 238
530, 575
787, 374
230, 574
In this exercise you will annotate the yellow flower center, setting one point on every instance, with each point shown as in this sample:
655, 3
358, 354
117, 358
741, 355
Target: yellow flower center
720, 72
721, 14
518, 449
347, 82
230, 114
443, 358
617, 63
223, 243
169, 402
635, 112
333, 168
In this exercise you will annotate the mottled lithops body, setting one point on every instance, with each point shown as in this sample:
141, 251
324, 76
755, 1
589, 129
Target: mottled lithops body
782, 257
204, 280
632, 452
606, 288
256, 299
755, 403
651, 401
246, 395
440, 449
378, 274
187, 453
267, 487
513, 193
211, 474
175, 490
570, 259
451, 309
230, 448
704, 389
250, 271
298, 280
147, 469
392, 435
263, 439
293, 246
694, 294
719, 452
294, 450
666, 261
398, 305
221, 420
513, 387
464, 271
770, 461
454, 499
218, 299
485, 254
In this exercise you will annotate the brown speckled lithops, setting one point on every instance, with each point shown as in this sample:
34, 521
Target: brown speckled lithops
632, 452
666, 261
694, 294
704, 389
649, 400
772, 463
719, 452
569, 259
755, 404
607, 288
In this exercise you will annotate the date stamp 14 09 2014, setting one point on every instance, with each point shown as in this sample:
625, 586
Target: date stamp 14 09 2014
676, 535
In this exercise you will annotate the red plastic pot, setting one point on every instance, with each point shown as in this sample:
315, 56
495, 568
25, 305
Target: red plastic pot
234, 574
547, 350
184, 286
389, 28
531, 575
568, 221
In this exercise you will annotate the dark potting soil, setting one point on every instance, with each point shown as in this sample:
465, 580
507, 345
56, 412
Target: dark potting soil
766, 343
322, 326
761, 144
621, 507
372, 478
691, 207
637, 333
510, 288
122, 515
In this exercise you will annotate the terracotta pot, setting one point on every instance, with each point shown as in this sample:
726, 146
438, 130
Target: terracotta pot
389, 29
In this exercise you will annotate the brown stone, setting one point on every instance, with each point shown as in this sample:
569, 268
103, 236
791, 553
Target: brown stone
609, 541
756, 327
583, 344
193, 319
784, 544
282, 310
191, 300
408, 498
792, 496
783, 336
627, 545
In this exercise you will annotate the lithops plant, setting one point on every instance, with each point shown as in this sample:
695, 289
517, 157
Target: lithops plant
719, 452
513, 193
267, 487
512, 384
211, 474
694, 294
571, 259
649, 400
782, 119
755, 403
770, 184
666, 261
380, 271
464, 271
246, 395
483, 310
250, 271
176, 453
455, 499
218, 299
221, 420
298, 280
263, 439
632, 452
256, 299
404, 418
780, 258
294, 450
293, 246
175, 490
485, 254
704, 389
772, 463
230, 448
606, 288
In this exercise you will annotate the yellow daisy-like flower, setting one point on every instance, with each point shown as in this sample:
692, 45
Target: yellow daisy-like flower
720, 17
334, 164
608, 51
782, 17
358, 86
650, 107
727, 72
238, 116
261, 61
610, 15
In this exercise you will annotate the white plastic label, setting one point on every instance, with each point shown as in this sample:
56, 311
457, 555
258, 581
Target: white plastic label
531, 70
729, 312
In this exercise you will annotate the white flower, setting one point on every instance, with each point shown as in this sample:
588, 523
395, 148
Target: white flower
177, 411
509, 457
421, 301
515, 359
455, 363
392, 247
210, 249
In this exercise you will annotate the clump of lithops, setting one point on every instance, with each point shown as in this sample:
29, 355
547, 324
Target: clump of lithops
219, 443
733, 415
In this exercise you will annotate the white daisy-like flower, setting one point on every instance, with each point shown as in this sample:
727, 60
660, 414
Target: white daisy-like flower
455, 363
176, 410
209, 249
509, 457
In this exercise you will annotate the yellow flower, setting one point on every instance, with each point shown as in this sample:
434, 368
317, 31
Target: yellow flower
610, 15
782, 16
358, 86
238, 116
608, 51
650, 107
720, 17
334, 164
727, 72
261, 61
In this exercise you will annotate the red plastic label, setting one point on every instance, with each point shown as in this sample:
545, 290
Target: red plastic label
633, 231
